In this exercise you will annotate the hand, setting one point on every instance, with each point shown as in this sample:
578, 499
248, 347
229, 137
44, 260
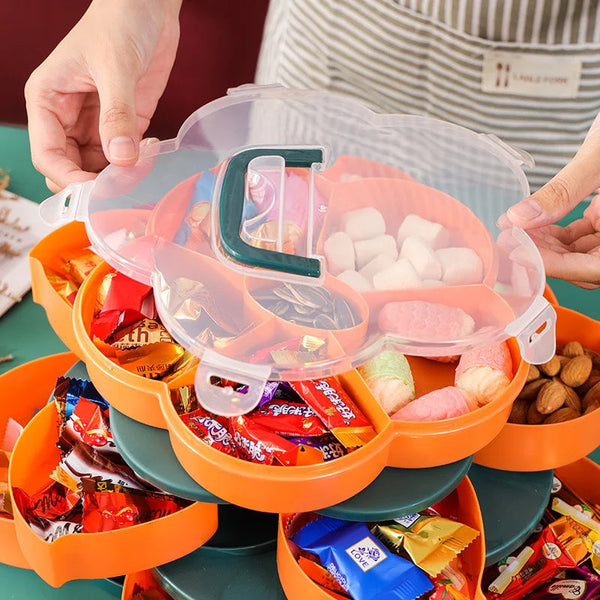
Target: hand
91, 100
572, 252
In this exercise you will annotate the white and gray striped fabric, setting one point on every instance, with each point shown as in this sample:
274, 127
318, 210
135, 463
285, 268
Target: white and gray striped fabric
425, 57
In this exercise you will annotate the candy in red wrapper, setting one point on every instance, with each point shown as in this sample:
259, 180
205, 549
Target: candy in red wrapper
50, 531
107, 507
210, 431
579, 583
261, 445
52, 501
546, 559
125, 293
290, 419
336, 410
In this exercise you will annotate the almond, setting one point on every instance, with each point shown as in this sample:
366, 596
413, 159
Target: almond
518, 414
591, 408
572, 349
594, 356
532, 374
550, 368
572, 400
563, 360
590, 382
592, 396
551, 397
531, 389
576, 371
534, 416
561, 415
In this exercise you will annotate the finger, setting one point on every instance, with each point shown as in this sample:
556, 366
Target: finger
592, 212
52, 186
586, 244
586, 286
118, 125
572, 266
563, 192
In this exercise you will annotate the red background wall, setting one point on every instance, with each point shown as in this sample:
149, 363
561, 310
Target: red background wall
218, 49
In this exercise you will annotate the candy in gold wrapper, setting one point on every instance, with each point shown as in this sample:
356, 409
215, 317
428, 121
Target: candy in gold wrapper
186, 363
593, 544
81, 264
65, 287
152, 361
429, 540
573, 537
142, 333
266, 235
184, 399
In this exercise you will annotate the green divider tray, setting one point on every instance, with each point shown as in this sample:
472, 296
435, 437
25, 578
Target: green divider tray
394, 493
512, 504
397, 492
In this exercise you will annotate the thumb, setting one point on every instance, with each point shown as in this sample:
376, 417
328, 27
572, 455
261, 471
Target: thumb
574, 183
118, 125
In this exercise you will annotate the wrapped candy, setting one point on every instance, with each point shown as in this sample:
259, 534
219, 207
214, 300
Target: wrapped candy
445, 403
484, 372
389, 378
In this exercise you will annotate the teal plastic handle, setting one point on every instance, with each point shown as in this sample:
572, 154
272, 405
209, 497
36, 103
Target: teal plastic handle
231, 207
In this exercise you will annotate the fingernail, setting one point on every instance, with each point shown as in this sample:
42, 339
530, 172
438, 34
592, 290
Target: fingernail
122, 148
526, 210
503, 222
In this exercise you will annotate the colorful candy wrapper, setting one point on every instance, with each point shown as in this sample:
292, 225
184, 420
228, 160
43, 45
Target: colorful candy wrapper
579, 584
429, 540
51, 502
261, 445
80, 264
289, 419
327, 444
572, 537
107, 507
64, 286
142, 333
210, 430
337, 410
184, 399
308, 349
186, 363
320, 575
68, 391
152, 361
359, 562
534, 564
50, 531
564, 492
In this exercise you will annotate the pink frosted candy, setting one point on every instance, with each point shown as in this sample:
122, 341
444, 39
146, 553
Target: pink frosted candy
444, 403
418, 320
484, 372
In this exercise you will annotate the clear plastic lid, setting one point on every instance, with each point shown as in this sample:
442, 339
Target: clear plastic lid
290, 234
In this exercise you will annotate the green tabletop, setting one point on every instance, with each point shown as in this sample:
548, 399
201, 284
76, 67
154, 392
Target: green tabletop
25, 333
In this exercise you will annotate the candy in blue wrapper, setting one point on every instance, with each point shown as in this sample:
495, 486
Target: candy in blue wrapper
360, 563
68, 391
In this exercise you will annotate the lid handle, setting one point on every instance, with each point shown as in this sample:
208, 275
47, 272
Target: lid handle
225, 400
65, 206
231, 208
537, 340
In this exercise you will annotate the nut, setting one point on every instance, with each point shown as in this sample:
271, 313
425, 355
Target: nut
534, 416
563, 360
590, 382
572, 400
572, 349
591, 408
592, 396
550, 368
532, 374
531, 389
518, 414
576, 371
594, 356
561, 415
551, 397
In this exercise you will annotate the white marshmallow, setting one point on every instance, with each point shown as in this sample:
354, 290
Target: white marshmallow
364, 223
400, 275
434, 234
377, 264
460, 266
367, 250
355, 280
339, 252
422, 257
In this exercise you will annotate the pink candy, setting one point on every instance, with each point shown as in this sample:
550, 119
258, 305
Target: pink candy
445, 403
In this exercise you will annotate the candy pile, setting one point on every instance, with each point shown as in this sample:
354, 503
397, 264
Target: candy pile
70, 272
564, 388
297, 423
150, 590
561, 560
417, 555
110, 495
127, 330
420, 254
482, 374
